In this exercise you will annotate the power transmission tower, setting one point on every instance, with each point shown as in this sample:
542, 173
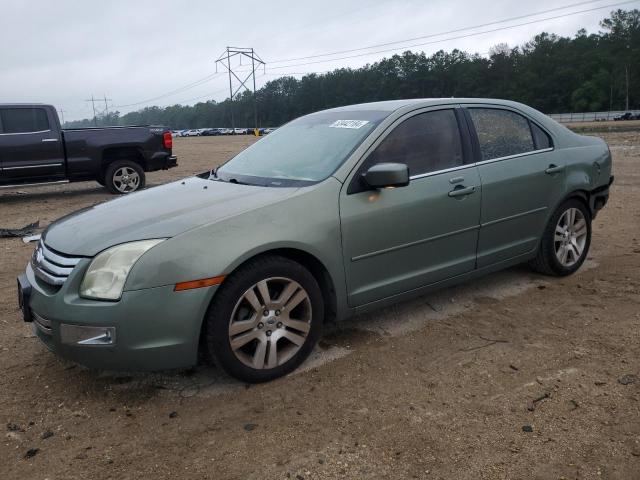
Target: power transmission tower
62, 116
106, 107
225, 60
93, 105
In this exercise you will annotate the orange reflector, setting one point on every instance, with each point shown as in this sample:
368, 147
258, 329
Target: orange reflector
205, 282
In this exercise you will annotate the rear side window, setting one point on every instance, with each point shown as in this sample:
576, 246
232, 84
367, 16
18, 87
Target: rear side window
24, 120
501, 133
540, 137
425, 143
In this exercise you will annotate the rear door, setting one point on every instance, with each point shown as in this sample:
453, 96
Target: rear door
522, 179
30, 144
400, 239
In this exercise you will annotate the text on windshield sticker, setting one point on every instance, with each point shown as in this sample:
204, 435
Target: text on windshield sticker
348, 123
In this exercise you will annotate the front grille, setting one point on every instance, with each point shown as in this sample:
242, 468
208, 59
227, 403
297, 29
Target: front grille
52, 267
43, 324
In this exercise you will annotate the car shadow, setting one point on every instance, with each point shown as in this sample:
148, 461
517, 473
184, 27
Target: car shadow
339, 339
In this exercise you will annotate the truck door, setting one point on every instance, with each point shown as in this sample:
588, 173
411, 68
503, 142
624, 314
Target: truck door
30, 145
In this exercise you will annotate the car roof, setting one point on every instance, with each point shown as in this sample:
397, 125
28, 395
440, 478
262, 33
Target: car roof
393, 105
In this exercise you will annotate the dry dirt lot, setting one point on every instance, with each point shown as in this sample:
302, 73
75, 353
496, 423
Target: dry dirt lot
441, 387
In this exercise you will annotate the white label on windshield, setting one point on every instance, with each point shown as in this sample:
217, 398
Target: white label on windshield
348, 123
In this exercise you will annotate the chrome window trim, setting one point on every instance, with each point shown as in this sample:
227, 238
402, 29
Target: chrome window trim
33, 166
437, 172
509, 157
460, 167
25, 133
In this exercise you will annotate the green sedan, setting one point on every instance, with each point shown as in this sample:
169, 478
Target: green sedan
336, 213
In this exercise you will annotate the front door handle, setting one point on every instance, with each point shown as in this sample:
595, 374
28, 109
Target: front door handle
551, 169
49, 140
462, 191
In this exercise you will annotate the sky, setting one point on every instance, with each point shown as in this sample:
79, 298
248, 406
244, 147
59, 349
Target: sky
140, 53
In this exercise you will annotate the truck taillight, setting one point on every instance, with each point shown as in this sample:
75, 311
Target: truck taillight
167, 140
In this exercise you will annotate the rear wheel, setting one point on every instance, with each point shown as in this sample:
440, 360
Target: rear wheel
566, 240
124, 176
265, 319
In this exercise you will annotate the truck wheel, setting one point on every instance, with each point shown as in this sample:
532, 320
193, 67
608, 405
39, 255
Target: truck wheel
565, 242
265, 319
124, 176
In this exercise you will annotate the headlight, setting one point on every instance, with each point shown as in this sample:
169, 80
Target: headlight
107, 273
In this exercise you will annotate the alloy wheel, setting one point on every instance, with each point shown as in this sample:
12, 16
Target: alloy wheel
270, 323
126, 180
570, 237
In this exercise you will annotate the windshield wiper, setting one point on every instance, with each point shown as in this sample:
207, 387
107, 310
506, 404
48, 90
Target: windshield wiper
238, 182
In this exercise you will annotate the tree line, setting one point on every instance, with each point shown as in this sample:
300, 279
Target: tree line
555, 74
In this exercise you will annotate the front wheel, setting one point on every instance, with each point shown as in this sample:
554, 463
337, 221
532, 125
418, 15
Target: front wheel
124, 176
566, 240
265, 319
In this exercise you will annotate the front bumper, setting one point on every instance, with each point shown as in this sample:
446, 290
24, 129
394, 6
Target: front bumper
149, 329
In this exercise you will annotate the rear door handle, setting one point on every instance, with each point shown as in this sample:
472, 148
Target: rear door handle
551, 169
49, 139
462, 191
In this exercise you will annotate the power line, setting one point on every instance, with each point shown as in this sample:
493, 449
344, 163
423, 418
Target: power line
519, 17
456, 37
184, 88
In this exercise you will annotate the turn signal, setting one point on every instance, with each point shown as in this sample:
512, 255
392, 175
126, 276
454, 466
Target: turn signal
205, 282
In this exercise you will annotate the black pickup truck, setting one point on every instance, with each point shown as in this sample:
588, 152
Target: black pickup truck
35, 150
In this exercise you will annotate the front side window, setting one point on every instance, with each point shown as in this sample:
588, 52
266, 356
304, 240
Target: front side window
501, 133
426, 142
24, 120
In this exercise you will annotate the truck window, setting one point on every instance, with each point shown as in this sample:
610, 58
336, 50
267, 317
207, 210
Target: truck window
24, 120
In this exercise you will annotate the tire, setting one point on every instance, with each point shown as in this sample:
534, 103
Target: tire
560, 239
131, 176
245, 351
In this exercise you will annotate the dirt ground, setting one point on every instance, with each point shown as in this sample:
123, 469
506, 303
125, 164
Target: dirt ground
513, 376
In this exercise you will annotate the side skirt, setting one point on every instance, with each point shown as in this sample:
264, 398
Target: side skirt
417, 292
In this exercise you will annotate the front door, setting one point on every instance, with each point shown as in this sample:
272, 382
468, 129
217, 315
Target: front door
396, 240
29, 147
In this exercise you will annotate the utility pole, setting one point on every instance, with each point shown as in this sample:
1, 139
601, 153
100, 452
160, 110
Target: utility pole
225, 60
93, 105
626, 74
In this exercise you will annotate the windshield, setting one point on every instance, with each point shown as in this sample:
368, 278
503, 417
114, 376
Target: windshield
304, 151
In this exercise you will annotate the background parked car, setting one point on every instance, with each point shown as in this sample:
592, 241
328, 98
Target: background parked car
624, 116
191, 133
210, 132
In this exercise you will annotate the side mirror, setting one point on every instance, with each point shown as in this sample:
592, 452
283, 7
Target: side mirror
383, 175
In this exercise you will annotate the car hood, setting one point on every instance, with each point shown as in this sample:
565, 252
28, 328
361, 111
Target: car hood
159, 212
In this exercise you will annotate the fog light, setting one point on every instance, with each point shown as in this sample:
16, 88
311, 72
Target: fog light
81, 335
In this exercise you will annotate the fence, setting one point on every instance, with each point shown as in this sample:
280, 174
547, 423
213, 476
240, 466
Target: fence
588, 116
